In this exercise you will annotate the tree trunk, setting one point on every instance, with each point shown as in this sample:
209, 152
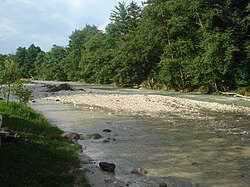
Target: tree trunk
8, 95
183, 81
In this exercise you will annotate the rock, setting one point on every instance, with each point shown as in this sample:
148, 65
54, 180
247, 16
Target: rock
94, 136
109, 181
5, 130
163, 184
129, 183
74, 136
106, 130
109, 167
9, 136
139, 171
106, 140
81, 89
82, 137
54, 88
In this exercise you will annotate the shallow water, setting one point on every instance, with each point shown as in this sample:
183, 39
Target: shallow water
180, 152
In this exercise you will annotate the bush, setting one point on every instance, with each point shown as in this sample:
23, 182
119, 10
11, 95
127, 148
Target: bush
21, 92
243, 90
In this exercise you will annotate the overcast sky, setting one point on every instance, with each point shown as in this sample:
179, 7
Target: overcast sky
48, 22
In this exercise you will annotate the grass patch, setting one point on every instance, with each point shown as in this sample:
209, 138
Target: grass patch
42, 158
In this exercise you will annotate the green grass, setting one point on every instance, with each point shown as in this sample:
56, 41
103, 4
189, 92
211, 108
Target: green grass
42, 158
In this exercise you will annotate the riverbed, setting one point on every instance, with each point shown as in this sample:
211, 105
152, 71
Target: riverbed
191, 146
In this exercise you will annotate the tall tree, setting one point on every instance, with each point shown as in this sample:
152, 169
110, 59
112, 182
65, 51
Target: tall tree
51, 67
222, 59
20, 58
26, 59
2, 59
40, 69
75, 50
124, 21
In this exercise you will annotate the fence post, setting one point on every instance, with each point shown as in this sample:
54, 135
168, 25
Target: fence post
1, 121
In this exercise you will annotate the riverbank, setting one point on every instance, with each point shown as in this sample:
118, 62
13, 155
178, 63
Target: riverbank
34, 154
181, 138
155, 106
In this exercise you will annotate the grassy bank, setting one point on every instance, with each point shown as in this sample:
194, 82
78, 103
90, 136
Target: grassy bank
41, 158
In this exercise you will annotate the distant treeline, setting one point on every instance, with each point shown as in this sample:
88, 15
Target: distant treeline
166, 44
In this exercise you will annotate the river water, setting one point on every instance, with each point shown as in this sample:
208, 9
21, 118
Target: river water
181, 152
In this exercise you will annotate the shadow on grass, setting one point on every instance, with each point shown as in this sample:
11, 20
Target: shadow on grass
41, 158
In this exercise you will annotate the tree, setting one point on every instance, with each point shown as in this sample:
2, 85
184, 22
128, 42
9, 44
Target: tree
124, 21
9, 74
40, 66
21, 92
53, 64
182, 31
2, 59
94, 59
20, 57
26, 59
222, 61
216, 61
75, 49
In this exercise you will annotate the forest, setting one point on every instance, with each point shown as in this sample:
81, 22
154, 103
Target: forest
182, 45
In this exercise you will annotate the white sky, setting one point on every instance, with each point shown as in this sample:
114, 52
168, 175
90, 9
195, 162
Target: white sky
48, 22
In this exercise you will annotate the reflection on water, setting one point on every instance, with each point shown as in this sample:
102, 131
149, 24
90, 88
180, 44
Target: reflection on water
184, 153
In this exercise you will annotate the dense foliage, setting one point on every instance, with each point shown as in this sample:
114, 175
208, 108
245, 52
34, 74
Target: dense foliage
172, 44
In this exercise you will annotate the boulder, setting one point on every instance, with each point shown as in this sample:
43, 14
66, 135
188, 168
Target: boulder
73, 136
54, 88
94, 136
106, 130
109, 167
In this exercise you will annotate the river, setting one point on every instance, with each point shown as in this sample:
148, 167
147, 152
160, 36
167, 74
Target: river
180, 152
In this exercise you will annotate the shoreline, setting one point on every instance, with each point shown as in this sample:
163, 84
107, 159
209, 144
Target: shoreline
150, 106
155, 106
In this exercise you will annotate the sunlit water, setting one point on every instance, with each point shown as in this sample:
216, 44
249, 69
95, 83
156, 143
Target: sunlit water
179, 151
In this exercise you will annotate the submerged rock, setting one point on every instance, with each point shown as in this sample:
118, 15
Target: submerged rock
94, 136
106, 140
163, 184
109, 167
139, 171
74, 136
